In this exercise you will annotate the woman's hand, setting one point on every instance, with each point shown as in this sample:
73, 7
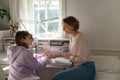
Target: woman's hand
66, 55
52, 55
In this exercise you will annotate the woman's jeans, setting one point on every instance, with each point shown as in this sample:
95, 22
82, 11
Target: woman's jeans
85, 71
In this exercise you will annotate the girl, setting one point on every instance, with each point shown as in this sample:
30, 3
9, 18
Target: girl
21, 60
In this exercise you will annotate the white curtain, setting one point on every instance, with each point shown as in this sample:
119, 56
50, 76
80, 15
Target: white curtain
14, 11
21, 10
22, 13
26, 14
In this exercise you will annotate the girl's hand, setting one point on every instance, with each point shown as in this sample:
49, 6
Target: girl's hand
48, 54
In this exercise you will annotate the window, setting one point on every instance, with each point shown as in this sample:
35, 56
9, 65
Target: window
44, 18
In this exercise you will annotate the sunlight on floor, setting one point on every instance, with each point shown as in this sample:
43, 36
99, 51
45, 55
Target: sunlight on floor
5, 59
6, 68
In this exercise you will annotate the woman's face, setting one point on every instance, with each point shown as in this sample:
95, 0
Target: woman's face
67, 28
28, 40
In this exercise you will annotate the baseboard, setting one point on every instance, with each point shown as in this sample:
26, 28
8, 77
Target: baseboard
105, 52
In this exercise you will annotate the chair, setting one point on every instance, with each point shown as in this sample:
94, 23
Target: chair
32, 78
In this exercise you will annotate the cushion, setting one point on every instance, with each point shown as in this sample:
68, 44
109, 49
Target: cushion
107, 63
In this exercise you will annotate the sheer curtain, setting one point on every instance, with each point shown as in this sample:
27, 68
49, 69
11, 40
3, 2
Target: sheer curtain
22, 14
22, 10
26, 14
14, 11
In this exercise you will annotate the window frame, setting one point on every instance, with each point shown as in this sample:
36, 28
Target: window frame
31, 22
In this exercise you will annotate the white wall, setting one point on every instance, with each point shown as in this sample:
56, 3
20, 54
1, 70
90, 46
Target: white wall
4, 23
3, 34
99, 20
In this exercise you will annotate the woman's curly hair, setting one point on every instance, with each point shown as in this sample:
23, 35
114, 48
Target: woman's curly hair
72, 21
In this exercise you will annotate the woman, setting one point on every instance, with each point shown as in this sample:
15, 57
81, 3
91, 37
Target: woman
21, 60
83, 67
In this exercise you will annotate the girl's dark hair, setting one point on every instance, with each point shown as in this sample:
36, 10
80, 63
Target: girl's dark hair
72, 21
19, 36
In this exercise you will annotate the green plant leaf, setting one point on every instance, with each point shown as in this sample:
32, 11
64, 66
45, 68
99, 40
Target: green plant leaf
6, 13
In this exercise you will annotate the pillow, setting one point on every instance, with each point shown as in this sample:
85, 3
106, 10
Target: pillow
107, 63
107, 76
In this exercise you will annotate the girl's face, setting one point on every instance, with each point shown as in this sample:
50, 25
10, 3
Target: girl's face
67, 28
28, 40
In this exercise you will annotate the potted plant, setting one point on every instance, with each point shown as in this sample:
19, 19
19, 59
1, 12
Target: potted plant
4, 13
